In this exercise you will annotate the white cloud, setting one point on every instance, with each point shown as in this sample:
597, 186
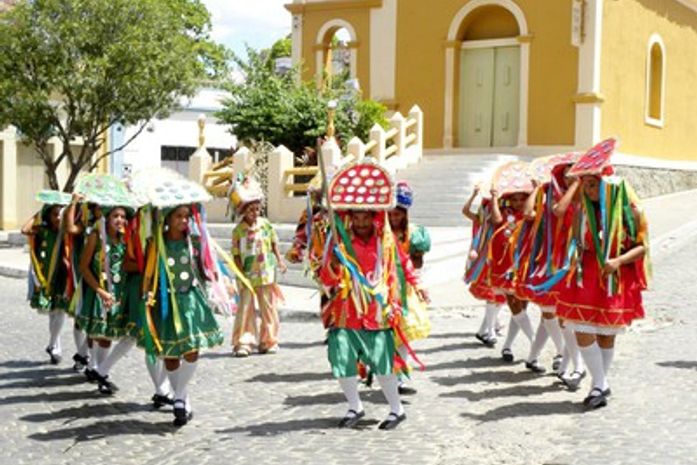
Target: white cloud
256, 22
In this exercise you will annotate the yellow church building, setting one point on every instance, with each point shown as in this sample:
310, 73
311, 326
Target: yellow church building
523, 76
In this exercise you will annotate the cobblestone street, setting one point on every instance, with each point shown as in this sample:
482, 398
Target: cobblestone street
471, 407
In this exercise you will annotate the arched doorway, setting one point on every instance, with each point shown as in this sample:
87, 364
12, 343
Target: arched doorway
486, 81
336, 51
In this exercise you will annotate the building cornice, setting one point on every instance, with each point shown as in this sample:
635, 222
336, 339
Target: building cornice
301, 8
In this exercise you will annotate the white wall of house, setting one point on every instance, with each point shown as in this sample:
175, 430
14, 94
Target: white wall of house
180, 129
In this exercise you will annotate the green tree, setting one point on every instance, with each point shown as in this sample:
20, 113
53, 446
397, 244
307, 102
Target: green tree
72, 69
278, 109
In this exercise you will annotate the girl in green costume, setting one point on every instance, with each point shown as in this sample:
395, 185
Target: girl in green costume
48, 274
102, 315
178, 321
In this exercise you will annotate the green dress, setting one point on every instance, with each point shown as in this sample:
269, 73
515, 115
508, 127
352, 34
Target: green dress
93, 318
133, 304
43, 299
199, 329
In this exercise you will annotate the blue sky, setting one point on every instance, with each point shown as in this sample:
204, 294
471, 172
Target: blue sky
257, 22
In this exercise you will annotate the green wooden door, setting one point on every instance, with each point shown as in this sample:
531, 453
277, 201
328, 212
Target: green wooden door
506, 96
476, 97
489, 97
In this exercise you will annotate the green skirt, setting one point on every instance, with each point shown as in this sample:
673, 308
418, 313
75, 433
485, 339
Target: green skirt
348, 346
44, 303
132, 305
99, 323
199, 329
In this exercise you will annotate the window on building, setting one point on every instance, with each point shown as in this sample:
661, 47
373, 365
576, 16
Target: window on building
655, 82
177, 157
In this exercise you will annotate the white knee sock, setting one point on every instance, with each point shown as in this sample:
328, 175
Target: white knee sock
565, 362
608, 355
389, 387
184, 375
159, 377
56, 319
484, 327
117, 352
572, 347
92, 362
513, 330
554, 331
80, 342
491, 312
102, 353
593, 357
524, 322
350, 387
539, 342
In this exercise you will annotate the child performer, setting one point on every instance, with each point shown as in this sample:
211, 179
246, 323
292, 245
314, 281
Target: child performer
603, 296
102, 315
413, 241
506, 216
256, 254
365, 274
550, 216
178, 320
48, 277
477, 269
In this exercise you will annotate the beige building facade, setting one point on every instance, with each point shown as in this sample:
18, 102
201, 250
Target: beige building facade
526, 76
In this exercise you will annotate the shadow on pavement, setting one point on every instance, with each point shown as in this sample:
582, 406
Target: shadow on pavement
451, 347
106, 429
301, 345
685, 364
482, 362
282, 427
374, 396
513, 391
289, 377
89, 411
46, 382
54, 397
36, 373
486, 377
527, 409
451, 336
23, 363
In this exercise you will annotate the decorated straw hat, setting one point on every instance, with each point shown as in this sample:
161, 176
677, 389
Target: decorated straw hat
596, 161
540, 169
50, 197
142, 181
105, 190
364, 185
245, 191
512, 178
174, 192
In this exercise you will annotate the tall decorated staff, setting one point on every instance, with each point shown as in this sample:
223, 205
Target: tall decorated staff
49, 284
366, 275
603, 295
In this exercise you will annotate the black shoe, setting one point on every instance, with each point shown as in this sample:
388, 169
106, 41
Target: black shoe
160, 401
80, 362
535, 367
351, 419
105, 386
406, 390
55, 358
91, 375
181, 416
393, 420
556, 362
596, 401
507, 355
486, 340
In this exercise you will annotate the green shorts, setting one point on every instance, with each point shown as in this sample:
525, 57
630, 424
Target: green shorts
373, 348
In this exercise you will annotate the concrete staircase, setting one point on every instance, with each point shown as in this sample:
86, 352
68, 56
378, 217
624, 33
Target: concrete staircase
443, 182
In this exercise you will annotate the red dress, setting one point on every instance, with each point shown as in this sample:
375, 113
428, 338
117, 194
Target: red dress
477, 269
590, 304
501, 253
554, 234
